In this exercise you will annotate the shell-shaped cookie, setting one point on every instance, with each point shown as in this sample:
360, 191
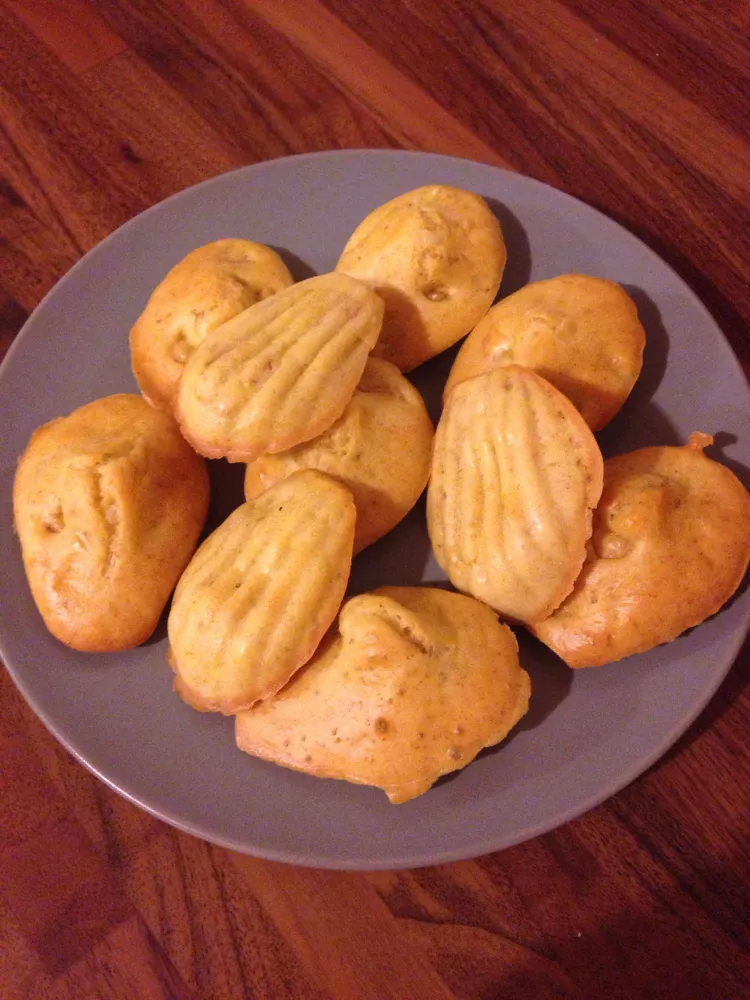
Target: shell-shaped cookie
380, 447
208, 287
436, 256
516, 474
671, 544
108, 503
260, 593
282, 371
415, 684
579, 332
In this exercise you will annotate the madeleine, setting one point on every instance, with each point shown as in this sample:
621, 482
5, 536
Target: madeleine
205, 289
416, 682
580, 333
671, 545
380, 447
516, 474
260, 593
281, 372
108, 503
436, 256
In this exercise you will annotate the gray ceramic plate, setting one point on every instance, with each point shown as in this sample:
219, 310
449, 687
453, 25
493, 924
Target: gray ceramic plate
587, 734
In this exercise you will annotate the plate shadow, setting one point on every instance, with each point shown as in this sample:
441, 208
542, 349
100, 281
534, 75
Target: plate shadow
641, 421
227, 491
430, 378
551, 680
518, 267
398, 559
299, 269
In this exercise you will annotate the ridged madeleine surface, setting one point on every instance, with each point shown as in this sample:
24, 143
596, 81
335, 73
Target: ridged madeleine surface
260, 593
380, 447
515, 475
282, 371
671, 545
415, 684
205, 289
436, 256
580, 333
108, 503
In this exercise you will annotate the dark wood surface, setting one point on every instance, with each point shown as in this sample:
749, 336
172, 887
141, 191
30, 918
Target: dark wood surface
641, 109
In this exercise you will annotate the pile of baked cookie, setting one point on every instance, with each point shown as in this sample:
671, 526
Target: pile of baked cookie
304, 383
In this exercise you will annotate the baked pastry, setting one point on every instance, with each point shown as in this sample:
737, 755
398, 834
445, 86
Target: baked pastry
414, 685
380, 447
282, 371
108, 504
260, 593
580, 333
516, 474
671, 545
208, 287
436, 256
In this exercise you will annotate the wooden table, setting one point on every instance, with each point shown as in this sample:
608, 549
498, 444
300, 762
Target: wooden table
108, 106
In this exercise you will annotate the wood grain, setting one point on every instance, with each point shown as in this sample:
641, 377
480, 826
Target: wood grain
108, 106
71, 29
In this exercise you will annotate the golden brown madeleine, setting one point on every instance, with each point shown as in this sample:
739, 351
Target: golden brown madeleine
516, 474
380, 447
415, 684
436, 256
260, 593
208, 287
109, 503
580, 333
282, 371
671, 545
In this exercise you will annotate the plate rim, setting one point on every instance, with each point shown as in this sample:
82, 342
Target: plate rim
406, 861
